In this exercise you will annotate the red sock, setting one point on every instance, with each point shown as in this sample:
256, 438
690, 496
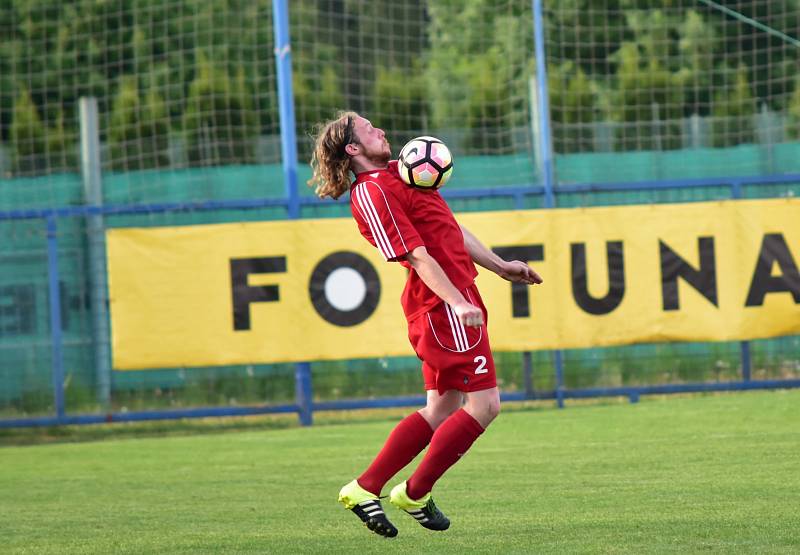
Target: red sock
406, 441
450, 441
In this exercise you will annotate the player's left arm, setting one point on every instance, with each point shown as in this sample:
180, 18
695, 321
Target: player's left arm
512, 270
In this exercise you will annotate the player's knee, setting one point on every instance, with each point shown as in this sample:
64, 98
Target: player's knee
436, 414
491, 408
441, 417
484, 410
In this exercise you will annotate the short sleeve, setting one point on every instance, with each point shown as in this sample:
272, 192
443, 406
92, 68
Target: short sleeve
383, 215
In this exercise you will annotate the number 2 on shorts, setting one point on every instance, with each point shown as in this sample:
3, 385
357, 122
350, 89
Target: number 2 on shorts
480, 360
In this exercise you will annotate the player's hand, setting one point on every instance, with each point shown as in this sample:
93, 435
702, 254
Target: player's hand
469, 314
519, 272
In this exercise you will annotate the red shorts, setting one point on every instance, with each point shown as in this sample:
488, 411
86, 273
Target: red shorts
454, 356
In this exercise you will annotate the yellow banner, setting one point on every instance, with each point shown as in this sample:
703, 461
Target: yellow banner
262, 292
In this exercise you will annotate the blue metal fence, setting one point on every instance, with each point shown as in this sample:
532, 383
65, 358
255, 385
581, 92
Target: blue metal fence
304, 405
549, 195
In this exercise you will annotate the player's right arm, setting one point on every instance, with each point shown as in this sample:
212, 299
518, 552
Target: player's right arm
432, 275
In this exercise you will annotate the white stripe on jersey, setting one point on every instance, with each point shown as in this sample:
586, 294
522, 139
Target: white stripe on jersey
364, 203
391, 215
457, 329
451, 315
460, 329
388, 208
370, 215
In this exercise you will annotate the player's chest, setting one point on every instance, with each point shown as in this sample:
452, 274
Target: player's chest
430, 213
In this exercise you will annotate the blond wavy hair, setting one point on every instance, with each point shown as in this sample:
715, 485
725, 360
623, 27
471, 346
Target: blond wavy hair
330, 164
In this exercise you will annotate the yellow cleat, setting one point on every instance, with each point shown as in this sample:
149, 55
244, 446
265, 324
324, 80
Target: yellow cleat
367, 507
424, 510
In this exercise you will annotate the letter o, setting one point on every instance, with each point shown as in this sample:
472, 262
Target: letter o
338, 306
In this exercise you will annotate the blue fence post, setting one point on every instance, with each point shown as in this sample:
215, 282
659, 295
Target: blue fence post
303, 392
744, 346
558, 362
527, 373
56, 338
283, 58
546, 152
736, 189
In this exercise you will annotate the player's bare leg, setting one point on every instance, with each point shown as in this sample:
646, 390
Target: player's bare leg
483, 406
440, 406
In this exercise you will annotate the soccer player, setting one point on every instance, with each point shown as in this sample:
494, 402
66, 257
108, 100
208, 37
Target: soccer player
446, 316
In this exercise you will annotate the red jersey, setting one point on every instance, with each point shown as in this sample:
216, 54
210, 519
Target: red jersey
397, 218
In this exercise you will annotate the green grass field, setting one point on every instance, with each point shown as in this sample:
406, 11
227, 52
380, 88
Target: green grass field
716, 473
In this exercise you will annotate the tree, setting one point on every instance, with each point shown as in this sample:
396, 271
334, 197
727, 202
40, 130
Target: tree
696, 46
400, 102
36, 147
573, 101
138, 134
794, 111
734, 107
27, 137
478, 70
585, 33
61, 146
647, 96
219, 122
771, 62
489, 118
318, 91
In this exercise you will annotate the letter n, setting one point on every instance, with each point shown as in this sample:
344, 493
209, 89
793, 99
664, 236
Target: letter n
704, 279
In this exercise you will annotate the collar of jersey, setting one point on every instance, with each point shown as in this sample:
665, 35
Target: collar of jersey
361, 175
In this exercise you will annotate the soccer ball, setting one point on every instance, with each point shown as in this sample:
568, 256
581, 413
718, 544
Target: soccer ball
425, 163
